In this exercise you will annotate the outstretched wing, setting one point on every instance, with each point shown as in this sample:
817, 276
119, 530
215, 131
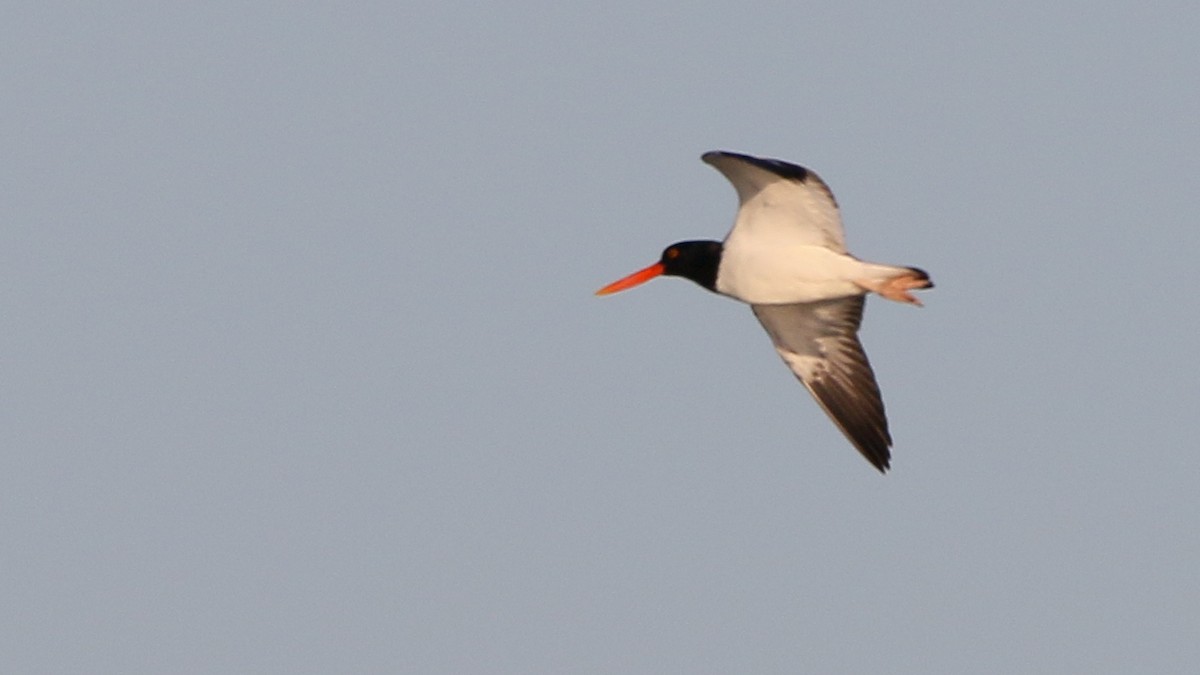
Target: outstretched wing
775, 194
819, 342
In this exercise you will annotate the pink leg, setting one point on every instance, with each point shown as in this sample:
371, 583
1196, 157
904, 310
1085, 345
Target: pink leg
897, 288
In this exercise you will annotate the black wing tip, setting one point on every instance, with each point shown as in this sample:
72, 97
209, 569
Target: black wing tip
866, 430
881, 463
776, 166
873, 449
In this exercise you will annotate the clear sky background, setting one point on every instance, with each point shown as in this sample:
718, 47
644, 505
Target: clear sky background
301, 370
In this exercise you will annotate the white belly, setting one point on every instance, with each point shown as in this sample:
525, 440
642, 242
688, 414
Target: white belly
768, 273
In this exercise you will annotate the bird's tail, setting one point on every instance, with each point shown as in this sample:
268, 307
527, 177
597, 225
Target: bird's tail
894, 283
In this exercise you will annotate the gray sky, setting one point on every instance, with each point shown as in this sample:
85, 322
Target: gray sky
301, 369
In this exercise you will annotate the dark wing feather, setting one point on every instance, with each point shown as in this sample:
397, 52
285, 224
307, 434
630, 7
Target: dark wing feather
819, 342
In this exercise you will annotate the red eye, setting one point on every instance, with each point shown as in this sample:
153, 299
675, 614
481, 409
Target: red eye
672, 253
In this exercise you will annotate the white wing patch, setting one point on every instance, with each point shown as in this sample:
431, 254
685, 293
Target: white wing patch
780, 202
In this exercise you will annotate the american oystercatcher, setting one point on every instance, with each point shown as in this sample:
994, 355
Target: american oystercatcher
786, 257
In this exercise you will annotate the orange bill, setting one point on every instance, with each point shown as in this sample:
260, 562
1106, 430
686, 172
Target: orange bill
639, 277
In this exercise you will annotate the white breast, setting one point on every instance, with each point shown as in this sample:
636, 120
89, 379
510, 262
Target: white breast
766, 270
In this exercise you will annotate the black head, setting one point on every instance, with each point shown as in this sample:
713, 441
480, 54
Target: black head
695, 260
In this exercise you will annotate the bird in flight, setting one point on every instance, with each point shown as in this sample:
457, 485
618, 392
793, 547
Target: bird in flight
786, 257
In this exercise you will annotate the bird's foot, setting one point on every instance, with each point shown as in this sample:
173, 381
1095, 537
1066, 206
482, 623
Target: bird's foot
897, 288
